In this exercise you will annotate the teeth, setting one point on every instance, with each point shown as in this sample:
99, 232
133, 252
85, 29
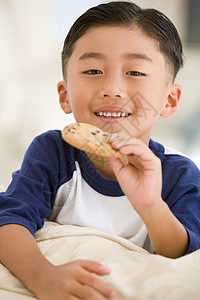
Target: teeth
112, 115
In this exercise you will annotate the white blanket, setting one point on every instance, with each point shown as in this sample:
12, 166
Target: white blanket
135, 275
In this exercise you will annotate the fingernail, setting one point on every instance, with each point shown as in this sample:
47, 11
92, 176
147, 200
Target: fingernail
105, 269
113, 136
112, 294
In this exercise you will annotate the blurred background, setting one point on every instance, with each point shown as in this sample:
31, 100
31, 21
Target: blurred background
31, 39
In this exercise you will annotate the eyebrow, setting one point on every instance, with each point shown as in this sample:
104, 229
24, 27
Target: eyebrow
141, 56
129, 56
88, 55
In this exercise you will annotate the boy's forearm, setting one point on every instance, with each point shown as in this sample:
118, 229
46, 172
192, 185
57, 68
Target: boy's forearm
20, 254
168, 235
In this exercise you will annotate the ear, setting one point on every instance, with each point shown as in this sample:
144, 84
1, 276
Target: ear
63, 97
171, 104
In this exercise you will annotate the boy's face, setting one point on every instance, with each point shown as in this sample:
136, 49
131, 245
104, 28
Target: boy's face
117, 80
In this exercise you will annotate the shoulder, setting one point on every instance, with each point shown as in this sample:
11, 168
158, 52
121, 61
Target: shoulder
46, 142
171, 158
49, 148
167, 154
48, 136
174, 161
49, 141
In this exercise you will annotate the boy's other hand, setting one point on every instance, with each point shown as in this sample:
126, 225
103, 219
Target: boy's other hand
75, 280
140, 177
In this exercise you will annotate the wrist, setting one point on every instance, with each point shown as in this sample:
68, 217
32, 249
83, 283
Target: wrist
166, 233
150, 211
39, 276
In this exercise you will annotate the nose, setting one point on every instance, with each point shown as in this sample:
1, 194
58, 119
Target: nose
113, 88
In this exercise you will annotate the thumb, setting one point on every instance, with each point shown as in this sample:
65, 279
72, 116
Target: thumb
116, 165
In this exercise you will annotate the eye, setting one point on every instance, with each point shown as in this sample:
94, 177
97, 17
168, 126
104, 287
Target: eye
93, 72
135, 73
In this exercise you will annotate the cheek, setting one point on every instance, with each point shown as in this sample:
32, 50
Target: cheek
76, 93
148, 105
79, 104
145, 103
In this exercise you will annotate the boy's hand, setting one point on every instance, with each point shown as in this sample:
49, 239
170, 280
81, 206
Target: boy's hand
141, 180
75, 280
140, 177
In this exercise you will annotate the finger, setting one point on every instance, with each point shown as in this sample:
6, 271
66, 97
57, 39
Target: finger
116, 165
97, 285
130, 145
136, 149
93, 281
120, 140
139, 158
95, 267
139, 150
119, 136
133, 146
86, 292
72, 298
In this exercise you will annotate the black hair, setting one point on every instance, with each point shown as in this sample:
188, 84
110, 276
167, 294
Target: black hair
125, 13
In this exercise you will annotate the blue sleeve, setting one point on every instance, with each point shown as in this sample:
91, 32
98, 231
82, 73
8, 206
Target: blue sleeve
183, 195
31, 194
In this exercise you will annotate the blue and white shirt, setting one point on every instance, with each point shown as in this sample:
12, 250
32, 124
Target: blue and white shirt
58, 182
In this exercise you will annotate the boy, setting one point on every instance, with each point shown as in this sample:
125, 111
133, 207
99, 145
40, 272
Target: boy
119, 64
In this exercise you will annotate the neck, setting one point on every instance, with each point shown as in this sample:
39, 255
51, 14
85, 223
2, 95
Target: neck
102, 165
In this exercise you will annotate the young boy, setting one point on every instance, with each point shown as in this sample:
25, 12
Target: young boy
119, 64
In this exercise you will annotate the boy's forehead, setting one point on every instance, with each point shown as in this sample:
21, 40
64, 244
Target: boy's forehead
118, 39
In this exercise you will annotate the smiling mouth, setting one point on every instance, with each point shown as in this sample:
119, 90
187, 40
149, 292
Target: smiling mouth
112, 115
